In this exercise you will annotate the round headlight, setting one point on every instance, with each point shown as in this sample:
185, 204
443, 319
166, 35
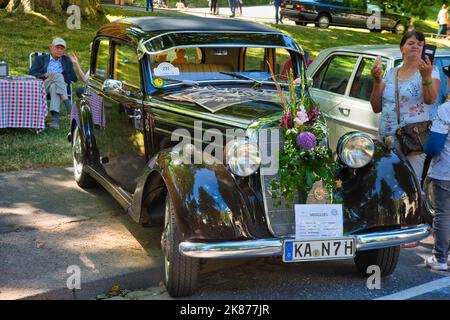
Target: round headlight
356, 149
243, 157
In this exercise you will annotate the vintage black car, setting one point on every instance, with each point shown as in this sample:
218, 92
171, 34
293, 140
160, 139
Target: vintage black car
154, 76
346, 13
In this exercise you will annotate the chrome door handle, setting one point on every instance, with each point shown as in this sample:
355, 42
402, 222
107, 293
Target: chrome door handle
344, 111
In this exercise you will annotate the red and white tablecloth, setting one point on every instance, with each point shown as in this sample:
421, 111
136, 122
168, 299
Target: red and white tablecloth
23, 104
95, 102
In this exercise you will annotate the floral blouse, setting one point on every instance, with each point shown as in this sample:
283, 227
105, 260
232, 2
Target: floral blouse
412, 107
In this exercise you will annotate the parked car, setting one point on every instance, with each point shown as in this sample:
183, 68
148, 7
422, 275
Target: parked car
149, 72
347, 13
342, 84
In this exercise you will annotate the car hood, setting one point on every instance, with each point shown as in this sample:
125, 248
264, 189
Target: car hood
230, 111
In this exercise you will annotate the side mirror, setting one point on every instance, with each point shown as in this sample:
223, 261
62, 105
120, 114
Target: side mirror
309, 82
112, 86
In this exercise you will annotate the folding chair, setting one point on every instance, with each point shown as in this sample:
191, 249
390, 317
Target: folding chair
33, 56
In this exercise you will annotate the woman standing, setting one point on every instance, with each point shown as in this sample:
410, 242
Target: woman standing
418, 84
442, 20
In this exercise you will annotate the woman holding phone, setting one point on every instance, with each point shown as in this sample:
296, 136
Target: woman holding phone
405, 93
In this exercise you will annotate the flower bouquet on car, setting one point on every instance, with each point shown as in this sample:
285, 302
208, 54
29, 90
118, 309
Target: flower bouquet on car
305, 157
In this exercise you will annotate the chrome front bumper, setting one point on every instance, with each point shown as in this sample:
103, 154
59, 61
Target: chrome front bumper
274, 246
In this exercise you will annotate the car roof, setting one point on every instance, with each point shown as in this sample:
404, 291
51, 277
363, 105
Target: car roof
389, 51
170, 24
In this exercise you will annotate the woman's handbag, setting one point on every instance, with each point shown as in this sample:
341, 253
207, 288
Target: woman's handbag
412, 136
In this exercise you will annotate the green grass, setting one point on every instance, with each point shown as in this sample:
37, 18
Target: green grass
315, 40
22, 149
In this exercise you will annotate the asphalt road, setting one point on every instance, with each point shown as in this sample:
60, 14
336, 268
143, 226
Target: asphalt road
271, 279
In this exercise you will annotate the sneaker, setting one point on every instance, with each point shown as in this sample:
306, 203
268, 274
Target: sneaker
432, 263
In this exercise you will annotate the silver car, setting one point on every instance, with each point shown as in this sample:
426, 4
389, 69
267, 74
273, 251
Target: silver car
342, 84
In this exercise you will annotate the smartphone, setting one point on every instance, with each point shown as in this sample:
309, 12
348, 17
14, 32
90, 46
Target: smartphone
428, 50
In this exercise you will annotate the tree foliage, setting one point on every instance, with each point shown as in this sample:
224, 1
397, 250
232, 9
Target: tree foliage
408, 7
89, 8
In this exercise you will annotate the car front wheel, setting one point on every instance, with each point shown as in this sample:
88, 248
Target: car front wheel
400, 29
385, 258
323, 21
83, 179
181, 272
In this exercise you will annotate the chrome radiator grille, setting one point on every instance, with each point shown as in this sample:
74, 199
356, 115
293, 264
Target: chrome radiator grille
281, 218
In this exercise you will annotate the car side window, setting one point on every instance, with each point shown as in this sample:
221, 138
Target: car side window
126, 65
102, 59
362, 84
333, 76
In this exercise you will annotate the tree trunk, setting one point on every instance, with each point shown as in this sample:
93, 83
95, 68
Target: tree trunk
89, 8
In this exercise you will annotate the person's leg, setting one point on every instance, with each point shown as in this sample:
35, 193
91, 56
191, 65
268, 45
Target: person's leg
147, 4
441, 221
277, 8
55, 101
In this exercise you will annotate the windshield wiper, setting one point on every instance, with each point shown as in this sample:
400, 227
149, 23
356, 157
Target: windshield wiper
238, 75
241, 76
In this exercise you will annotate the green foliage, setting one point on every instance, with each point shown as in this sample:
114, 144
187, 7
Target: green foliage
409, 7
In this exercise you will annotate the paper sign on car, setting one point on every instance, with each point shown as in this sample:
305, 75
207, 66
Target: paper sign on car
315, 221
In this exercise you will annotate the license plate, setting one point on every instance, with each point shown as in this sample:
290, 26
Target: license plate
289, 6
321, 249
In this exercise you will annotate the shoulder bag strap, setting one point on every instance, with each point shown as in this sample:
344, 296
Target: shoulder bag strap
397, 103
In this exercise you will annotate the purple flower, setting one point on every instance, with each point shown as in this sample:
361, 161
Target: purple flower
306, 140
286, 120
313, 114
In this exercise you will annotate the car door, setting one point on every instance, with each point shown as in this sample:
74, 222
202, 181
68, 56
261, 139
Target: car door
356, 112
357, 14
123, 151
330, 83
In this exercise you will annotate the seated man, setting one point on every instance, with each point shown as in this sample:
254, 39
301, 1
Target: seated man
57, 71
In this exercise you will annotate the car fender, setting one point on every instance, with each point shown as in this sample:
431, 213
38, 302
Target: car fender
384, 193
86, 125
208, 201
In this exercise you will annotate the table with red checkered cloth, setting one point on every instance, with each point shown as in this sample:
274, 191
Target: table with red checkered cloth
23, 104
95, 103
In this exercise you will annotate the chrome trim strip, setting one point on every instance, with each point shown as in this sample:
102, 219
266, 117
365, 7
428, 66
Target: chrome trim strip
274, 246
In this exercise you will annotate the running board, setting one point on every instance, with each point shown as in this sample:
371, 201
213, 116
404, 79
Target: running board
123, 197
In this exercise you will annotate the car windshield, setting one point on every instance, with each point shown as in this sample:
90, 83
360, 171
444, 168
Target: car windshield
191, 65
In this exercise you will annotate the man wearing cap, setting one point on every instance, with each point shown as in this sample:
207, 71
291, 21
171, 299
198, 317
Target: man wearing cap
56, 69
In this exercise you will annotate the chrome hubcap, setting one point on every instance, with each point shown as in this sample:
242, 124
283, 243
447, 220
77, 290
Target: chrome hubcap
323, 22
76, 154
165, 242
